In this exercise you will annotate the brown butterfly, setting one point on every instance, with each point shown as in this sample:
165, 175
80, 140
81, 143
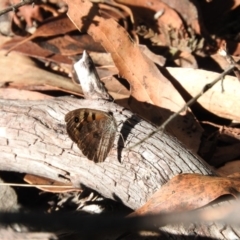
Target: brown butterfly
93, 130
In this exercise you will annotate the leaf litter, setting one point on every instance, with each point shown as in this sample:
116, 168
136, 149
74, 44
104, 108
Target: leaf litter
147, 83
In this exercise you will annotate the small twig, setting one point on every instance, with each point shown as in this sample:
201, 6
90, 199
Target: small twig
35, 185
188, 104
16, 6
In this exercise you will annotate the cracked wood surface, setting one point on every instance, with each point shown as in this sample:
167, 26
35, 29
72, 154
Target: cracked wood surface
33, 140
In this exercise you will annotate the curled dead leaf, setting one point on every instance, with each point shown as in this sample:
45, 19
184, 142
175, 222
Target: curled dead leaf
187, 192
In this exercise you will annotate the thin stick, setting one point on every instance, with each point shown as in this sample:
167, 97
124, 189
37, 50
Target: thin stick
35, 185
188, 104
16, 6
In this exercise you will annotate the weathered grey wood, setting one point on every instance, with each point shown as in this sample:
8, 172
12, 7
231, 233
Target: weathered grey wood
33, 139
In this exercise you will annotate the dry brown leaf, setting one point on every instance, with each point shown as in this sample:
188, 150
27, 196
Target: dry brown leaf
225, 104
144, 16
37, 180
108, 11
104, 61
229, 134
26, 75
68, 46
124, 8
230, 169
32, 49
117, 42
145, 79
156, 58
219, 60
187, 192
147, 84
30, 13
186, 60
51, 27
189, 12
147, 11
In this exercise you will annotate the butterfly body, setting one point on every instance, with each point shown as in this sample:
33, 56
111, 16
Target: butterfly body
93, 130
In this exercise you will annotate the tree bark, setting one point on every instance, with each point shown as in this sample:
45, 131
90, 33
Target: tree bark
33, 140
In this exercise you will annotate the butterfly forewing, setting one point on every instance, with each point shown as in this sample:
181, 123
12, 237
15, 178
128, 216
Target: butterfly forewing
93, 130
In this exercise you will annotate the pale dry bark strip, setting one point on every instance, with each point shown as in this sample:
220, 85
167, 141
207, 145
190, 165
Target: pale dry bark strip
33, 139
